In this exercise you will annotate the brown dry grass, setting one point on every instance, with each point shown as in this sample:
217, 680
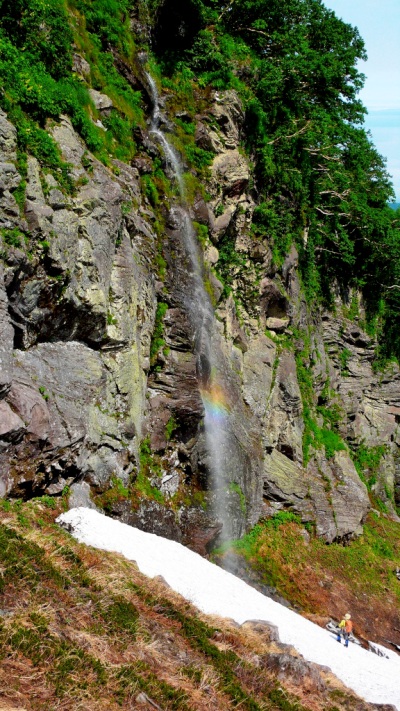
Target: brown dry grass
89, 656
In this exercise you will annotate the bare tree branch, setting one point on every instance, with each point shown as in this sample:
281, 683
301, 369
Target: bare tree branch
341, 196
251, 29
279, 138
226, 8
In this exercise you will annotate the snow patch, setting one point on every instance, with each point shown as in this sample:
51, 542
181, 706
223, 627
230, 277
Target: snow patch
217, 592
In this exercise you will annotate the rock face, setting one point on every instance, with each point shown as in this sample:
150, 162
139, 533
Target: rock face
90, 397
76, 324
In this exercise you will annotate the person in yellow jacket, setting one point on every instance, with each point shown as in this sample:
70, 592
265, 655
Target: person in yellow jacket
345, 629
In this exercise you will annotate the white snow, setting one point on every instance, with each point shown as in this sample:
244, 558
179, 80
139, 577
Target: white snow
217, 592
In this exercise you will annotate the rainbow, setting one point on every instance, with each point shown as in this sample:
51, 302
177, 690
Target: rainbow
215, 402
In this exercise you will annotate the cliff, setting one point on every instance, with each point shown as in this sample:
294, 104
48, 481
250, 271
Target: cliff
81, 390
169, 350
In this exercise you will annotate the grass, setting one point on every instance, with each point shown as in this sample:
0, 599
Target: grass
13, 237
84, 629
323, 579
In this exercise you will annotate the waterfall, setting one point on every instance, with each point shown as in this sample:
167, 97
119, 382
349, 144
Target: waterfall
201, 316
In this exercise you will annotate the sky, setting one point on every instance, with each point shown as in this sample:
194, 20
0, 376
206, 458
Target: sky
378, 22
217, 592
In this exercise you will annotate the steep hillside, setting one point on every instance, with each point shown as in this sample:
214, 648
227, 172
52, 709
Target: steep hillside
83, 629
199, 284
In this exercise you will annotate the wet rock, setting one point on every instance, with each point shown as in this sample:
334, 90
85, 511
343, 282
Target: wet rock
8, 139
284, 422
221, 223
71, 145
79, 495
199, 530
57, 200
201, 211
151, 517
258, 362
347, 501
6, 340
211, 255
9, 176
287, 482
207, 139
273, 301
229, 113
32, 408
81, 393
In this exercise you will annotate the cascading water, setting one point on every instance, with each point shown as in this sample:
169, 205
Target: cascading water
201, 315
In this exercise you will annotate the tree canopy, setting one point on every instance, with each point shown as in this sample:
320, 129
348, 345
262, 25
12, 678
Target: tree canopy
319, 181
319, 178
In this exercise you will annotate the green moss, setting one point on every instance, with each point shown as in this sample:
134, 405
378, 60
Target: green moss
198, 634
111, 320
314, 435
344, 358
121, 616
149, 190
45, 395
139, 676
230, 263
170, 427
276, 551
116, 493
234, 488
149, 467
202, 233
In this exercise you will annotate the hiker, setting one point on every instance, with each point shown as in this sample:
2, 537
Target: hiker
345, 629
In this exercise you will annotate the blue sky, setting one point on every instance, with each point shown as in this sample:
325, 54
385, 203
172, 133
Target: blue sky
378, 22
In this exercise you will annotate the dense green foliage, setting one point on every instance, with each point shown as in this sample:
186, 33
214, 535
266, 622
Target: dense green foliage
319, 179
320, 182
36, 40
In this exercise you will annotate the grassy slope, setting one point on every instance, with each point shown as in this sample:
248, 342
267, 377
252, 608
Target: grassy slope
84, 629
326, 581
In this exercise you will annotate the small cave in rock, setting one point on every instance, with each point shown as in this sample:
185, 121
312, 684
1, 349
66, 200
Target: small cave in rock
273, 303
187, 428
277, 308
287, 451
19, 341
177, 24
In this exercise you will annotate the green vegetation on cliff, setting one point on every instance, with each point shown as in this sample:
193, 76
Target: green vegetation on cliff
319, 180
36, 73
